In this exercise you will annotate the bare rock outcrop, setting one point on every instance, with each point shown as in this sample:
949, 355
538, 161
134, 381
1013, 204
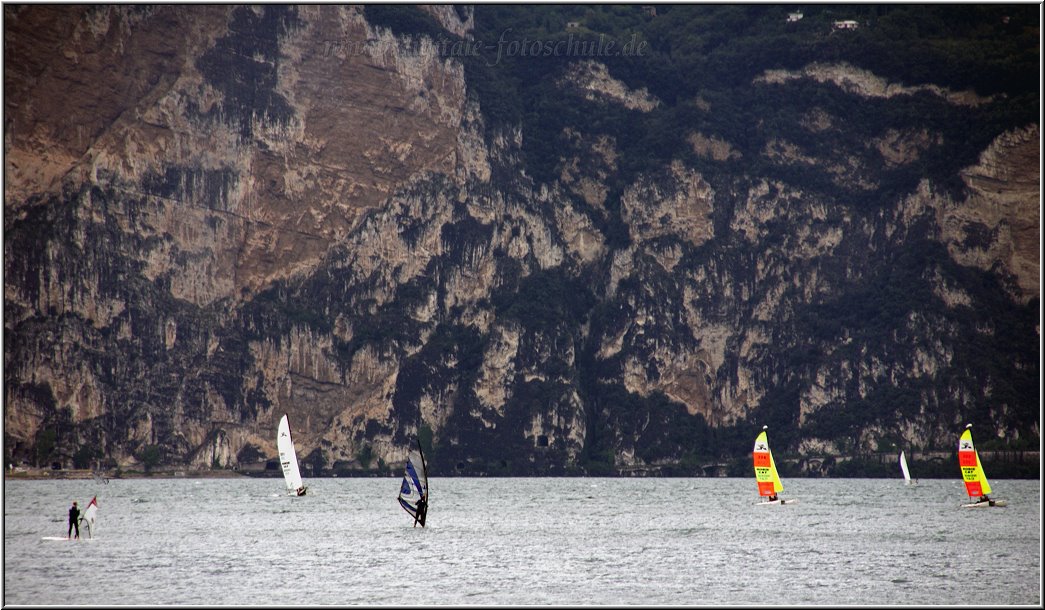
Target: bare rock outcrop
998, 224
865, 83
291, 209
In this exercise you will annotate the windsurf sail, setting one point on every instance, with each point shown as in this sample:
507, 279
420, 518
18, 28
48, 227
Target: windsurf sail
413, 490
765, 468
88, 517
288, 458
976, 484
903, 468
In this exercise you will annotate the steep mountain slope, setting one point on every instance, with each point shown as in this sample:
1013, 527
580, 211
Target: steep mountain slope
387, 223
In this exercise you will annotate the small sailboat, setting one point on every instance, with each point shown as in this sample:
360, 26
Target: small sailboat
288, 458
976, 484
413, 491
89, 515
906, 471
769, 484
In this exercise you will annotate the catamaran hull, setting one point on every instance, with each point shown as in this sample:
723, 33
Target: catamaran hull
763, 502
998, 503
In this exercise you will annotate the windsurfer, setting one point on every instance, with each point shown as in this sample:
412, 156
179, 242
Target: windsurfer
74, 520
422, 511
773, 498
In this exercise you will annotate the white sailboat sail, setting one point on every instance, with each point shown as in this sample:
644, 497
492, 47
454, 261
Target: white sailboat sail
904, 469
288, 458
413, 491
87, 519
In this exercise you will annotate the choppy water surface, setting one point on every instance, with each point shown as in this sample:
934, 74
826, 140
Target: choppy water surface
557, 541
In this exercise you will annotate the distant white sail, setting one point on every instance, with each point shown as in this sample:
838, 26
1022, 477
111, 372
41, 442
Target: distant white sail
414, 487
903, 468
288, 458
89, 516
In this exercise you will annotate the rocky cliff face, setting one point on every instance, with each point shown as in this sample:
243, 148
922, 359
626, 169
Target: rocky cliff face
216, 216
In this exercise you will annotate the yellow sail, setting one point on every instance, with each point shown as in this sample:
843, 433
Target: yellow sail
972, 472
765, 468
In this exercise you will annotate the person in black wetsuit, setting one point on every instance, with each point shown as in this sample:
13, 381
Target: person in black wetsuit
422, 511
74, 520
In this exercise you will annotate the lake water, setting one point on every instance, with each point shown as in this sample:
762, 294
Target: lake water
526, 541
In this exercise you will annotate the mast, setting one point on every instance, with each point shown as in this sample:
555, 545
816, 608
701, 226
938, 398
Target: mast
424, 465
420, 516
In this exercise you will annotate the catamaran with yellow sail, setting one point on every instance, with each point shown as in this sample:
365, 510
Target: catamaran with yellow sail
976, 484
769, 484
